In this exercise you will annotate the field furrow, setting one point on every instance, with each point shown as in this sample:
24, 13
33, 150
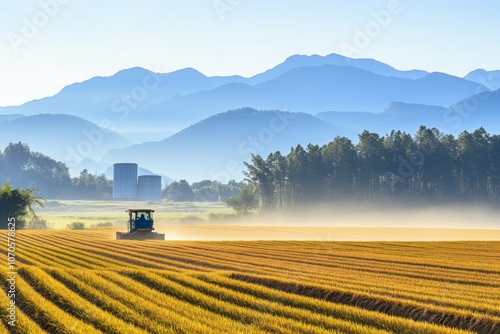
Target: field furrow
437, 315
215, 321
355, 314
22, 324
46, 314
124, 305
84, 282
236, 312
74, 304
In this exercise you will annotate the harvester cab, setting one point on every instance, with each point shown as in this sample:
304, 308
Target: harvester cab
140, 226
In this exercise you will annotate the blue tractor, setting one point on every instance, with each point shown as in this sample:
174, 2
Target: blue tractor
140, 226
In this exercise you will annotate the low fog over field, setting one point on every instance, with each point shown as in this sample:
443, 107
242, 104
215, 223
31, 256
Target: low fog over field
346, 221
301, 233
354, 215
349, 222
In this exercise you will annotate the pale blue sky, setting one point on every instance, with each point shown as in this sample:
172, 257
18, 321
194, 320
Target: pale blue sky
80, 39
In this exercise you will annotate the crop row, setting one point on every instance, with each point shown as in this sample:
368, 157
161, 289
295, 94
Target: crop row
411, 310
379, 282
118, 286
392, 323
266, 301
300, 321
321, 251
76, 301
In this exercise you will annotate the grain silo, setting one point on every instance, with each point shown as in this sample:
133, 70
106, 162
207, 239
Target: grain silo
149, 188
125, 181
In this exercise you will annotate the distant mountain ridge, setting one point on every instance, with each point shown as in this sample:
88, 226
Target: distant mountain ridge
369, 65
480, 110
489, 79
168, 102
316, 89
65, 138
203, 127
401, 116
183, 81
217, 146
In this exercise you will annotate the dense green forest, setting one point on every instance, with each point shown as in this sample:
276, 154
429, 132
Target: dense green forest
429, 166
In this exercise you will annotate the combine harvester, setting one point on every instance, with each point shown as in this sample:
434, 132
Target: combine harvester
140, 226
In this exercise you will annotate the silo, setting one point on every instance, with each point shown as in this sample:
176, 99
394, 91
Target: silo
125, 181
149, 188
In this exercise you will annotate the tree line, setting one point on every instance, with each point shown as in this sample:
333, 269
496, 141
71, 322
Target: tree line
26, 169
428, 166
203, 191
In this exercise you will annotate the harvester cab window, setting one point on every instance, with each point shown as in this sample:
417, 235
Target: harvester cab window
141, 216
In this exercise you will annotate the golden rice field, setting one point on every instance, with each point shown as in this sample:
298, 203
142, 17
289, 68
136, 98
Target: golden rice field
84, 282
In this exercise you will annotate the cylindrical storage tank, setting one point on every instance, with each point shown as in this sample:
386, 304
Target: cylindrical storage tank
149, 188
125, 181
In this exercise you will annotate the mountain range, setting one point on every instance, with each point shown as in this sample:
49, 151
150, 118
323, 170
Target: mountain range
216, 147
63, 137
188, 125
477, 111
316, 89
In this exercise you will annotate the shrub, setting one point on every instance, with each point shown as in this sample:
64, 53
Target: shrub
76, 226
245, 202
37, 223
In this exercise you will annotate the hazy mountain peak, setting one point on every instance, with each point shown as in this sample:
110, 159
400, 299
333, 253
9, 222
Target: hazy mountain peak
102, 87
369, 65
490, 79
244, 111
67, 138
188, 71
132, 72
478, 71
438, 75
